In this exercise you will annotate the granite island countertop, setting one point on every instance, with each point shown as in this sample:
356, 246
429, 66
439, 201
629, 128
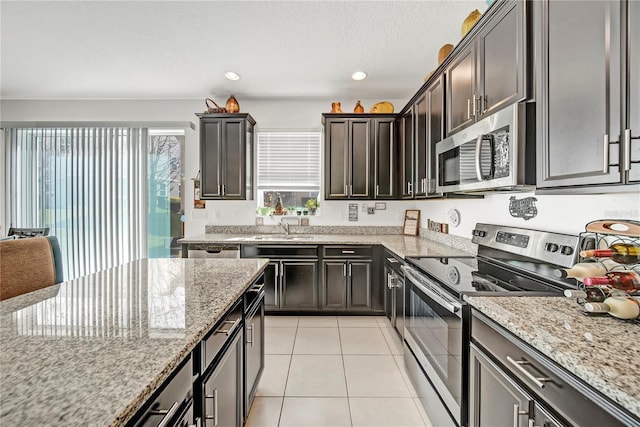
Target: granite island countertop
401, 245
92, 350
604, 352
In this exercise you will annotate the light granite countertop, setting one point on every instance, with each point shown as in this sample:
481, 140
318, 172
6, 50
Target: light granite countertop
604, 352
90, 351
399, 244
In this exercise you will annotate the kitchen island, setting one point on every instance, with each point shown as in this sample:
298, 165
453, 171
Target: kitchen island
91, 351
602, 352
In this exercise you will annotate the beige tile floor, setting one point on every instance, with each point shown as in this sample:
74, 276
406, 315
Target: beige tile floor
332, 371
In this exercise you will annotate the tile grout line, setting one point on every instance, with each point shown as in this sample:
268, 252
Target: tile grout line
286, 382
344, 374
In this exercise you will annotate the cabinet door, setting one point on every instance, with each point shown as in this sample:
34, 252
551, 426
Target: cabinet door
633, 89
495, 398
233, 165
501, 56
254, 355
271, 285
389, 303
421, 118
385, 158
299, 287
359, 297
406, 155
460, 81
210, 155
578, 103
336, 158
335, 284
248, 164
223, 389
360, 159
435, 129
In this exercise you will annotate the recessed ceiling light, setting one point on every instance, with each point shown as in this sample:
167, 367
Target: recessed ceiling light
359, 75
232, 75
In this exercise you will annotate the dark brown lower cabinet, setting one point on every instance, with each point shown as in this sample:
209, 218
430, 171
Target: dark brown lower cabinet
222, 389
347, 285
512, 384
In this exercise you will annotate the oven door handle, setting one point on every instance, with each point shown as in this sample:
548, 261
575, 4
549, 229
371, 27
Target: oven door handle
450, 305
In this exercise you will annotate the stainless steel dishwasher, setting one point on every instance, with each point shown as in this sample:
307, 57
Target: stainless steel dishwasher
210, 250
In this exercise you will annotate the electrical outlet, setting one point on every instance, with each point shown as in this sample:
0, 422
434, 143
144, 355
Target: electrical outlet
438, 227
371, 211
199, 214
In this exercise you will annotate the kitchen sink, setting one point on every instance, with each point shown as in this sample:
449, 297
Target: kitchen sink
270, 237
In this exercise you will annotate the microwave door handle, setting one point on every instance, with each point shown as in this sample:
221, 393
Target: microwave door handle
478, 156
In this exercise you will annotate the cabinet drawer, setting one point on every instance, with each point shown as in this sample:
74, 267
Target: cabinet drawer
279, 251
216, 340
174, 399
348, 251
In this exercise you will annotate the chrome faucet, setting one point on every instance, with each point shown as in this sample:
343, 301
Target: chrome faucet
285, 225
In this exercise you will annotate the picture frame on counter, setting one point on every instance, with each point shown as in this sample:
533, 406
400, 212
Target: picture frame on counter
411, 222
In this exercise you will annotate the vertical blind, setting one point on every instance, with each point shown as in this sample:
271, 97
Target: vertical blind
289, 160
87, 184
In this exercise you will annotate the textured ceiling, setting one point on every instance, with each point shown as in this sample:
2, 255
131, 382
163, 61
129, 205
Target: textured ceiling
181, 49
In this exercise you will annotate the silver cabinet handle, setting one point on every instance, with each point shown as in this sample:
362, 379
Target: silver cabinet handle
350, 269
214, 396
518, 364
516, 415
344, 270
605, 154
250, 340
377, 190
168, 414
392, 261
346, 190
234, 325
344, 251
627, 149
277, 273
468, 109
475, 104
410, 188
350, 190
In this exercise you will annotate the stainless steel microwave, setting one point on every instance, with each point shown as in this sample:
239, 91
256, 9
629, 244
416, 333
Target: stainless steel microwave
496, 153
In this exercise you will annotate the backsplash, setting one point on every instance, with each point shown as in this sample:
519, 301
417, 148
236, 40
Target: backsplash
298, 229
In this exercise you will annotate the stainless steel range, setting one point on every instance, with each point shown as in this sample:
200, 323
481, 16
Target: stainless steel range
510, 261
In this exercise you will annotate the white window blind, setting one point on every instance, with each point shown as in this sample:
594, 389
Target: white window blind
88, 185
289, 160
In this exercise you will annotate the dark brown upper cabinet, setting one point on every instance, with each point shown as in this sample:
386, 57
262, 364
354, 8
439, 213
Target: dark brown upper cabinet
226, 156
587, 95
489, 72
359, 156
422, 126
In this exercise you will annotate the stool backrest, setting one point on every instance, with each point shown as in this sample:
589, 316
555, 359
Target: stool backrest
27, 265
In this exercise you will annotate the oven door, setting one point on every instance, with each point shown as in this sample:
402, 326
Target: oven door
434, 333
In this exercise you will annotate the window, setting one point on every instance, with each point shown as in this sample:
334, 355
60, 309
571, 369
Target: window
289, 166
110, 194
166, 192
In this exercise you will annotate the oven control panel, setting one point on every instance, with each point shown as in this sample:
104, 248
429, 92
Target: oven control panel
519, 240
550, 247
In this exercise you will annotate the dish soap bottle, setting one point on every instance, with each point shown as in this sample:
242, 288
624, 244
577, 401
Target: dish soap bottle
278, 208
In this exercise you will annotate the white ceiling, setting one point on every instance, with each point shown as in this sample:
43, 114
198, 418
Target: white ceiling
181, 49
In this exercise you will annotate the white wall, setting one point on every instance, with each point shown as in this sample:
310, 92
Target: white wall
555, 213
